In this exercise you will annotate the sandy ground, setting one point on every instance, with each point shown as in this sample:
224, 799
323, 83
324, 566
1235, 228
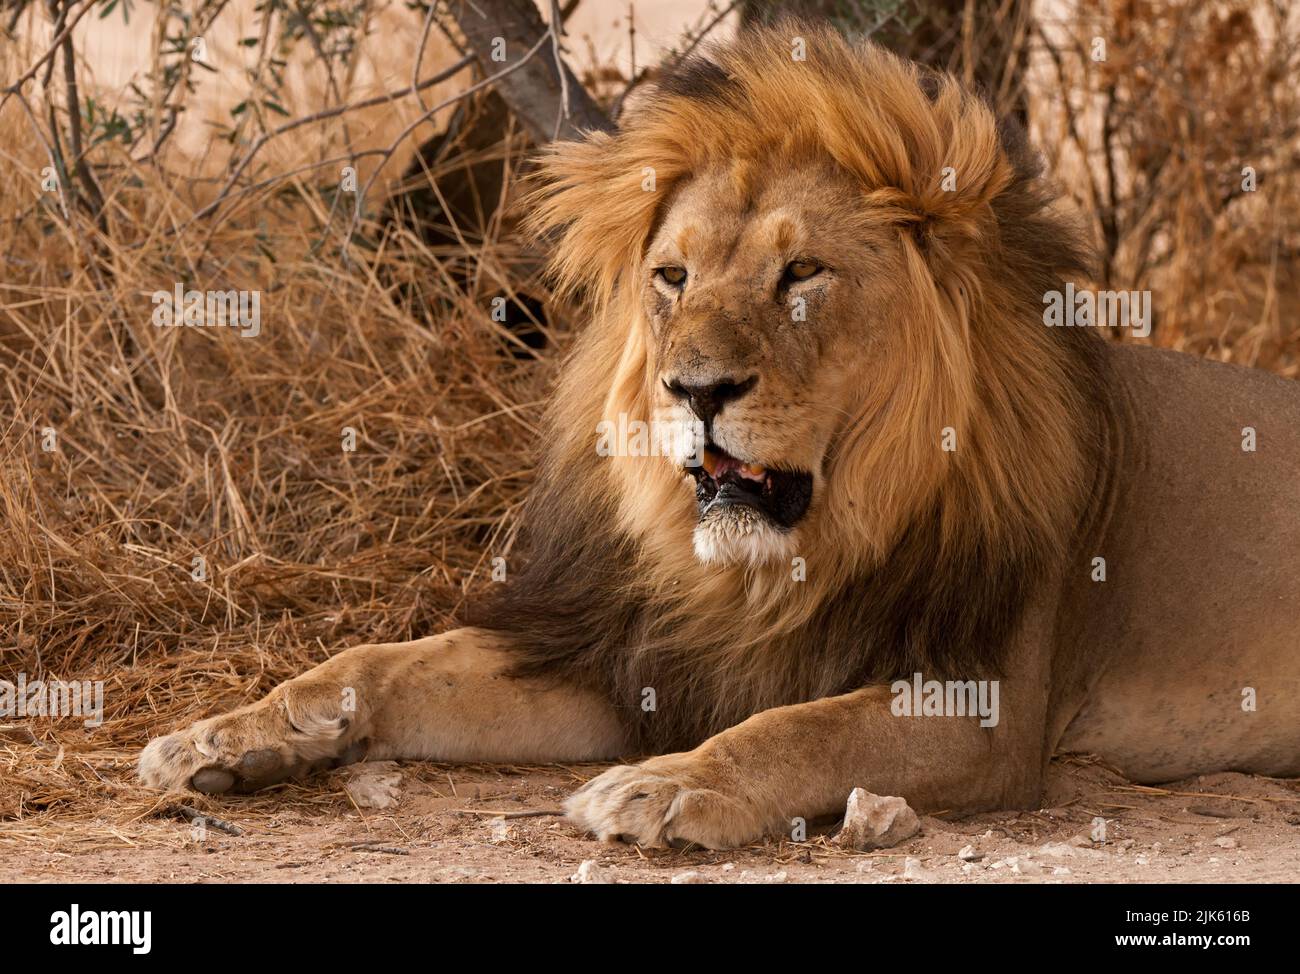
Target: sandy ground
1216, 828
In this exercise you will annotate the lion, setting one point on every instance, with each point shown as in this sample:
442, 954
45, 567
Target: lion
831, 272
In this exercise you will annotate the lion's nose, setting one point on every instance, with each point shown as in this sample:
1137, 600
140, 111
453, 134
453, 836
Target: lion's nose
707, 398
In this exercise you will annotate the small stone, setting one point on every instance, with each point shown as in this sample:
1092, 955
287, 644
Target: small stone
1226, 843
912, 869
501, 832
968, 854
1061, 871
589, 872
780, 877
1062, 850
876, 821
1142, 860
374, 784
1024, 867
688, 878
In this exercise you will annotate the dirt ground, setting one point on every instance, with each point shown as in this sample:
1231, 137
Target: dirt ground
444, 828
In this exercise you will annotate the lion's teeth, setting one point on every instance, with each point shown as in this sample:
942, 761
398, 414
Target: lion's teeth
710, 462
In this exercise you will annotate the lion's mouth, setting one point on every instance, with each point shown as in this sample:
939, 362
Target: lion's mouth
722, 481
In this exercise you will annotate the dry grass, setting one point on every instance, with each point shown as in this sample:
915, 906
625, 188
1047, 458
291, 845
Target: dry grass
176, 443
179, 443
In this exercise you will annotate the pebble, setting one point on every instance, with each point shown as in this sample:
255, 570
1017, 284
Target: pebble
912, 869
374, 784
1062, 850
876, 821
589, 871
1022, 866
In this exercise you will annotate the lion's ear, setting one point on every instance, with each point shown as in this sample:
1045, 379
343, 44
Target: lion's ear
596, 201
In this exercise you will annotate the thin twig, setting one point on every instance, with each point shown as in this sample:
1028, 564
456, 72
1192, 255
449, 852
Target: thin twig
220, 824
55, 44
320, 117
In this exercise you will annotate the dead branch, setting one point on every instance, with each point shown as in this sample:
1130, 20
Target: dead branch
544, 94
94, 197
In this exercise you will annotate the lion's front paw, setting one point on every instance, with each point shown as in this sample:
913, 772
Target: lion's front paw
291, 733
665, 801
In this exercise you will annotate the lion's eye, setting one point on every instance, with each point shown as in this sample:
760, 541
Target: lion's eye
801, 270
675, 276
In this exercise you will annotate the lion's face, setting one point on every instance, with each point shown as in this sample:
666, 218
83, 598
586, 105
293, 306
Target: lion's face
764, 296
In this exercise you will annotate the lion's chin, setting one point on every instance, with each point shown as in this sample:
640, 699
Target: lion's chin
740, 535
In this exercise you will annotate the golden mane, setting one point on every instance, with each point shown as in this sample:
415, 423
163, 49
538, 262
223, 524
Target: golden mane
917, 558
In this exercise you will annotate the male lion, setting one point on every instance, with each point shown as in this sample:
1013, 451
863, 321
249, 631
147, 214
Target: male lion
838, 265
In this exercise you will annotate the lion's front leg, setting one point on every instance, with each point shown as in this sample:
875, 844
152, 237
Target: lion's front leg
802, 761
445, 698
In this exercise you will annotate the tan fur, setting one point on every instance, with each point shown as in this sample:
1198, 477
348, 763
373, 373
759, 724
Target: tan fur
773, 690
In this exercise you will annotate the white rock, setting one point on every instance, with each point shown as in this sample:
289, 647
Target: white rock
912, 869
1060, 850
374, 784
690, 877
876, 821
590, 872
1226, 843
968, 854
1061, 871
1024, 867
